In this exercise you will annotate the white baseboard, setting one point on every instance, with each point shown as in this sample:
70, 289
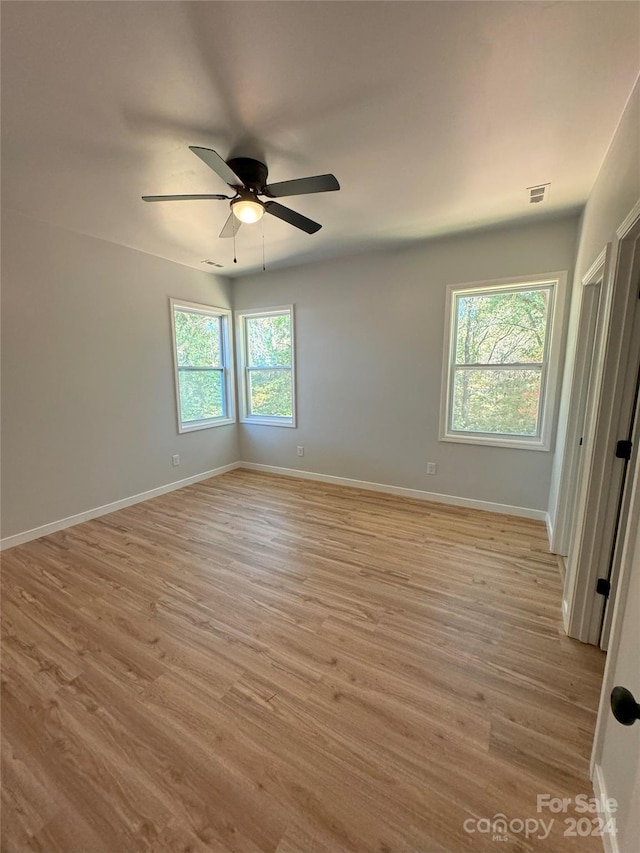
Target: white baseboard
487, 506
609, 840
70, 521
549, 523
562, 568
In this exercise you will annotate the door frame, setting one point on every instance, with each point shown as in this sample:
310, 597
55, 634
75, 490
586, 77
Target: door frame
623, 517
598, 499
591, 301
630, 562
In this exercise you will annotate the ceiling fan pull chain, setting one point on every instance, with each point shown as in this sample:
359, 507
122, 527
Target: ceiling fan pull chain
233, 225
263, 266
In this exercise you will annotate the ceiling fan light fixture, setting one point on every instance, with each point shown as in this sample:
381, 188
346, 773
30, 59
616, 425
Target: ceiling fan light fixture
247, 178
247, 210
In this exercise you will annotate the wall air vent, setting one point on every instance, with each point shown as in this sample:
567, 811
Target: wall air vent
538, 194
211, 263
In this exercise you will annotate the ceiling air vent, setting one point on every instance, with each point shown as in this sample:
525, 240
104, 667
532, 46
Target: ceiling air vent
537, 194
211, 263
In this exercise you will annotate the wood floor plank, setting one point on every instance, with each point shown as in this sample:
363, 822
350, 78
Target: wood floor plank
258, 664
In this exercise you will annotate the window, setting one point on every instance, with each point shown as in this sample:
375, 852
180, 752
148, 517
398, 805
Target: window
266, 355
501, 362
203, 365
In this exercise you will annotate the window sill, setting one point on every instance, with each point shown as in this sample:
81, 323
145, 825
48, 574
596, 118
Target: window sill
498, 441
196, 425
280, 422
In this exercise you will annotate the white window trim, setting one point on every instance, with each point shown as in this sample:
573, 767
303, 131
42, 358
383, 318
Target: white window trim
228, 369
550, 370
243, 385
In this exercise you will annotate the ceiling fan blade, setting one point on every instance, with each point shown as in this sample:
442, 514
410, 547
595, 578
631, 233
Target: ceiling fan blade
182, 197
231, 226
293, 218
214, 161
303, 186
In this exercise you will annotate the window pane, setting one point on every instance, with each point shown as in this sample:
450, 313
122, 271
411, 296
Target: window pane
502, 328
200, 394
269, 341
496, 401
270, 393
198, 340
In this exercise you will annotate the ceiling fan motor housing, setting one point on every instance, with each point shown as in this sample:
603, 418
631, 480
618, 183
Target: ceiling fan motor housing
252, 172
248, 178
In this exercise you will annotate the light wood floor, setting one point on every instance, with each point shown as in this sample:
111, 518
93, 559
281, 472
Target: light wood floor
257, 664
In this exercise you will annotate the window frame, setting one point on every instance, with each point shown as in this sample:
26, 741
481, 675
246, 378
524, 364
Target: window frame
224, 315
241, 317
550, 369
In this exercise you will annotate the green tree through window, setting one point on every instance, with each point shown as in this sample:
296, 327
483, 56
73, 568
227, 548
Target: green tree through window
497, 370
201, 354
268, 365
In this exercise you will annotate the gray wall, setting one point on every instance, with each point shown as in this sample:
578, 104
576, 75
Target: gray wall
87, 380
616, 190
88, 401
369, 364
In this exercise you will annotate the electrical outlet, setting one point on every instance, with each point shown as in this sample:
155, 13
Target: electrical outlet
175, 460
300, 450
432, 468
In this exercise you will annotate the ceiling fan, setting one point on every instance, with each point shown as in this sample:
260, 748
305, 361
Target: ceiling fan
248, 178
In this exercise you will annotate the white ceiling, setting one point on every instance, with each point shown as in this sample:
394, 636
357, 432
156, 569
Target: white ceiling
434, 117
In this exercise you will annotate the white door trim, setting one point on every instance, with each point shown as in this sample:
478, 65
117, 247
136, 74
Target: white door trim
623, 517
630, 552
591, 297
590, 551
609, 840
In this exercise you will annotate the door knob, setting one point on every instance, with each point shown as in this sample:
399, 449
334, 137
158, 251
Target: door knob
624, 706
